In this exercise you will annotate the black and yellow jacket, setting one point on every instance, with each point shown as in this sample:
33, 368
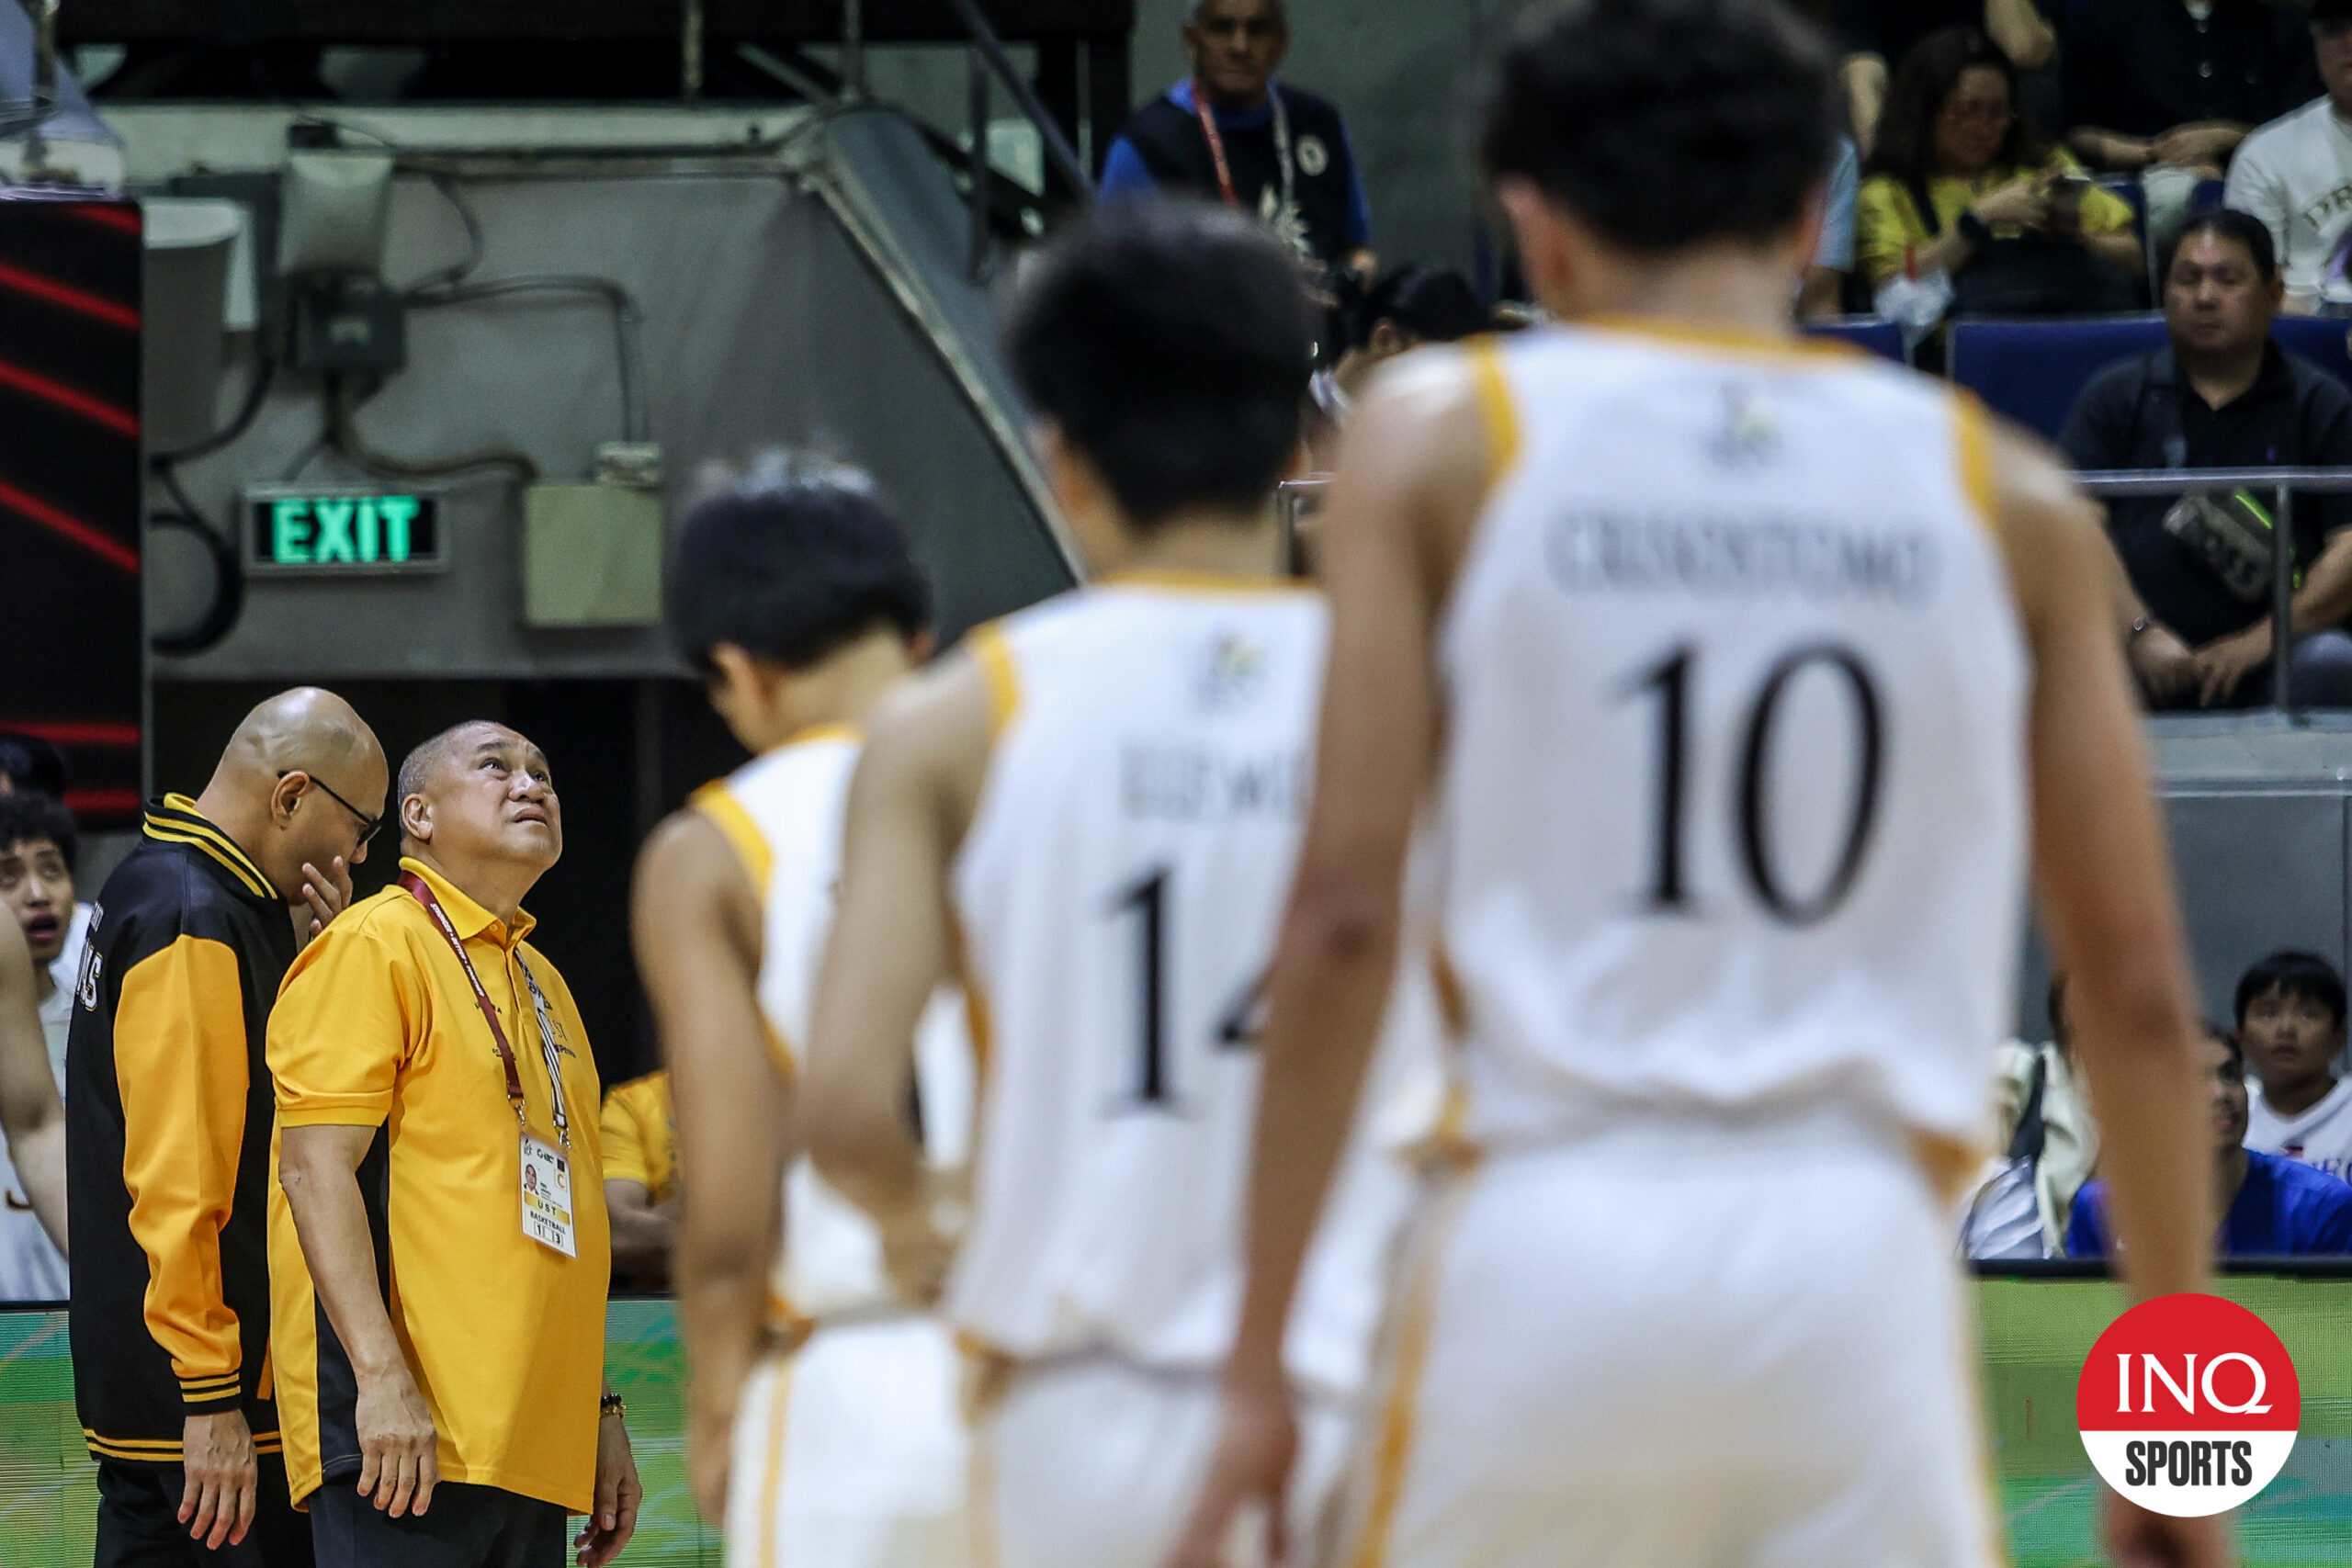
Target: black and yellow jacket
168, 1112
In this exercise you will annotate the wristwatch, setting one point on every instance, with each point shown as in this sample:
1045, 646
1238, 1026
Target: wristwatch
1971, 228
610, 1405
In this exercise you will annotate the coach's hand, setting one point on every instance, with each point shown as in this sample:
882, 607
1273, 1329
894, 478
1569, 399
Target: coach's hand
2139, 1539
398, 1469
1250, 1469
222, 1478
325, 895
619, 1493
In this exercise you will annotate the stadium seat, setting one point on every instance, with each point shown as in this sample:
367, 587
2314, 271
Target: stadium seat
2031, 370
2320, 339
1875, 334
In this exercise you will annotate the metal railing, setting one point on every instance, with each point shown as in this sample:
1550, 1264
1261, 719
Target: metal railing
2107, 483
989, 56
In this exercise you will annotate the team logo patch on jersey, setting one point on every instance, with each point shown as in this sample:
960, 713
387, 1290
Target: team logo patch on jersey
1233, 672
1750, 436
1313, 156
85, 988
2189, 1404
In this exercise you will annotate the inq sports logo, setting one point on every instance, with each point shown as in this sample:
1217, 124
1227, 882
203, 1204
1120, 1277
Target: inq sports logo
2189, 1404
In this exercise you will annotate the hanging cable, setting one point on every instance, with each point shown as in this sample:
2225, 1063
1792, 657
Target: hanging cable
345, 437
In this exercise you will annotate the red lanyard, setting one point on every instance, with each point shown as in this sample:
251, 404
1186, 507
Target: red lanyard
1217, 146
423, 893
1216, 143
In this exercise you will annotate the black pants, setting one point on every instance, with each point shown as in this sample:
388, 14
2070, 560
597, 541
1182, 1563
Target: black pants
139, 1526
464, 1527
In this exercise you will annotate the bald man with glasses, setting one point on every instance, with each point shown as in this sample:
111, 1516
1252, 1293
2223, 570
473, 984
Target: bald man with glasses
168, 1119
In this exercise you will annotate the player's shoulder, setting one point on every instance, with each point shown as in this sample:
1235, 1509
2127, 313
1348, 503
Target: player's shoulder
641, 1095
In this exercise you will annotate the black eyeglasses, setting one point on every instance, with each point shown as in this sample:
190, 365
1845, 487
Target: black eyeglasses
367, 825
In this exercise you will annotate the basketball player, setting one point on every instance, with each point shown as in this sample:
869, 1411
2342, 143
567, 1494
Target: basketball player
794, 592
1744, 679
1096, 805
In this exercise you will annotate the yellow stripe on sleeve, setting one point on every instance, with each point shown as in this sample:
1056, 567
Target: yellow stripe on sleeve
718, 805
1496, 407
995, 660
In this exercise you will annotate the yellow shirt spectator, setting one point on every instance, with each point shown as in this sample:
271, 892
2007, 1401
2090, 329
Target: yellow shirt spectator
641, 1136
377, 1026
1888, 224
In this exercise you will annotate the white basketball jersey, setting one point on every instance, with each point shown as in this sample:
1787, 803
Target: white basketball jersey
1734, 801
783, 813
1119, 892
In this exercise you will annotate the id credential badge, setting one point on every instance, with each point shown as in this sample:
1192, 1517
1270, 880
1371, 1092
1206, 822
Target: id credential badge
546, 1197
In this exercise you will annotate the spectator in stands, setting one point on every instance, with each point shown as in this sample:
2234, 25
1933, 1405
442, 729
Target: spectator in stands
2166, 89
1824, 292
2043, 1121
2272, 1207
38, 845
641, 1128
2290, 1017
2223, 395
1230, 132
1876, 32
2295, 174
1410, 306
1964, 185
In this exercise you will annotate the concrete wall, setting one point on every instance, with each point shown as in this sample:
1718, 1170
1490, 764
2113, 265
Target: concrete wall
1406, 75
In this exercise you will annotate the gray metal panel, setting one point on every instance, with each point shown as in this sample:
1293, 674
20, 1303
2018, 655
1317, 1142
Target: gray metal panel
764, 323
2258, 872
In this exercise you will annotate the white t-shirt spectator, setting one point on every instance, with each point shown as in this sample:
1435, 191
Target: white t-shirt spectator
31, 1269
2321, 1136
2295, 174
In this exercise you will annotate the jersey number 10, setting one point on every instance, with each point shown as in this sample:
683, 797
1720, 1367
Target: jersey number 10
1669, 678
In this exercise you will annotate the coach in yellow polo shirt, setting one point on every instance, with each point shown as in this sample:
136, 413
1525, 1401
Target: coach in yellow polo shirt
440, 1199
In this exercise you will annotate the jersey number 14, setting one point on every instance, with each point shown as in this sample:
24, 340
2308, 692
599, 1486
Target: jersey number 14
1146, 901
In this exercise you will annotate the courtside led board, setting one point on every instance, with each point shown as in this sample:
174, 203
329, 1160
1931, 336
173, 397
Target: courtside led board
339, 530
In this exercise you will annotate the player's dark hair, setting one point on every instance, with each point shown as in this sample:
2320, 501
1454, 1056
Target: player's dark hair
28, 762
2297, 976
1914, 97
1171, 341
27, 814
1429, 304
1663, 123
790, 562
2238, 228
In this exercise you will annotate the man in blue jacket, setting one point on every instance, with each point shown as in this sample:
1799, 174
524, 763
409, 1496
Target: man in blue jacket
1230, 132
2274, 1207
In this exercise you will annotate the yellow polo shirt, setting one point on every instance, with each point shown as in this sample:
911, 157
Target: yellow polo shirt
641, 1136
375, 1026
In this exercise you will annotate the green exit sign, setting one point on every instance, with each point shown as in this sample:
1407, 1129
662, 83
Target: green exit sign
343, 529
